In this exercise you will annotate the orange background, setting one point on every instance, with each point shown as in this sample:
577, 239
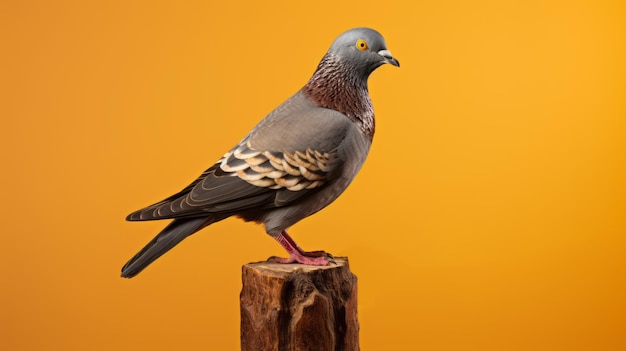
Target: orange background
490, 214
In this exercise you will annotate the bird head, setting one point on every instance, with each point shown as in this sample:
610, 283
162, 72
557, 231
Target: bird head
364, 49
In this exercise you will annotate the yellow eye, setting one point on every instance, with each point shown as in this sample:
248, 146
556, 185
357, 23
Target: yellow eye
361, 44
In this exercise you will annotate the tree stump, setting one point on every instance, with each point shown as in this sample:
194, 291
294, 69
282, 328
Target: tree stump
294, 307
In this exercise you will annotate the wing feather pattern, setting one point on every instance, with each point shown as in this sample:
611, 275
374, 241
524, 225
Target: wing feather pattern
245, 179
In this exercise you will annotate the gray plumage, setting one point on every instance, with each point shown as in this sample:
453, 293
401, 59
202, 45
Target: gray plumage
295, 162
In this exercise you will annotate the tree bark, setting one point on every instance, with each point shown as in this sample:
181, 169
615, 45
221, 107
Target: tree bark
294, 307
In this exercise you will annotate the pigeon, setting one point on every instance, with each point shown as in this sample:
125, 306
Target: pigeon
295, 162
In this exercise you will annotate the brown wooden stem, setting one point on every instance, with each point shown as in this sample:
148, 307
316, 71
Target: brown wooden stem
294, 307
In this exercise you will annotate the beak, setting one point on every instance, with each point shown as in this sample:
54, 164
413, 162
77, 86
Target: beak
388, 58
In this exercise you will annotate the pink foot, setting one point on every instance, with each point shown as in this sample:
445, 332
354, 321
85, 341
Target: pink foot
297, 255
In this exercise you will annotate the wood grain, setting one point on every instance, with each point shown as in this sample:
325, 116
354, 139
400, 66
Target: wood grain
293, 307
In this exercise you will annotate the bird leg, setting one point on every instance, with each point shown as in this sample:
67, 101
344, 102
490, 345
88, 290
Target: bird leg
297, 255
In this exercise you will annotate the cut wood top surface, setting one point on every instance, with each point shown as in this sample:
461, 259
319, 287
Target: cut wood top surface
281, 268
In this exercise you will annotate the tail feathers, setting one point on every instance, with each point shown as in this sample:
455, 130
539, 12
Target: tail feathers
169, 237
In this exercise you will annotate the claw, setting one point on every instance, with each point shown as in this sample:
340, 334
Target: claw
297, 255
